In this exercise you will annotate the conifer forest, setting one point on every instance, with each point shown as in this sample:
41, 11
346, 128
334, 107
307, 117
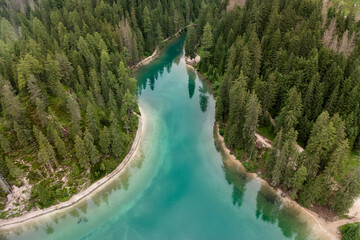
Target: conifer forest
283, 71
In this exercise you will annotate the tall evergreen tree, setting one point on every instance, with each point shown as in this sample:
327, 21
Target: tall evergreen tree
81, 153
191, 41
207, 41
252, 113
90, 147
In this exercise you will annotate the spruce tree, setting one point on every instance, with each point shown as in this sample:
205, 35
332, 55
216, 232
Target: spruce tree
298, 180
92, 152
290, 113
238, 99
46, 153
191, 41
116, 135
252, 113
5, 144
81, 153
104, 140
74, 111
207, 41
92, 120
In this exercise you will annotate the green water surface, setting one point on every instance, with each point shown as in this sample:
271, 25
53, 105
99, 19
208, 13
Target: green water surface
178, 187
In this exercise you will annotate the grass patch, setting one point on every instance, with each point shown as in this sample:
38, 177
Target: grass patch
267, 132
28, 150
239, 153
251, 166
3, 214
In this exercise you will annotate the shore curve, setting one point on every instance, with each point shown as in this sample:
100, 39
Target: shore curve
98, 185
323, 230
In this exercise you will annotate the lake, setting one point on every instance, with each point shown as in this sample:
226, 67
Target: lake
179, 186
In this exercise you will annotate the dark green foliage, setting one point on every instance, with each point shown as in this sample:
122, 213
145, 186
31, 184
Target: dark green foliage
252, 113
350, 231
298, 180
82, 153
191, 41
44, 193
104, 140
307, 85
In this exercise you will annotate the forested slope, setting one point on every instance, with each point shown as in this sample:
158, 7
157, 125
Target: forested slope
68, 103
290, 69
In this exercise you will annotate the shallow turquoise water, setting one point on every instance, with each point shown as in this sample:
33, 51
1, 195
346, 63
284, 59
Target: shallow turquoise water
178, 187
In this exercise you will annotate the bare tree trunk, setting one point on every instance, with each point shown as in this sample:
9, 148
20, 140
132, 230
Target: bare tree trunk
4, 184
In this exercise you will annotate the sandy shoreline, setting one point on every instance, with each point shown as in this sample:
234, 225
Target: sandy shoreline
98, 185
328, 230
146, 60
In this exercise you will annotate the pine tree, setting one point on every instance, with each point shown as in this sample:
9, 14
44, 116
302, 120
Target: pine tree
56, 140
46, 153
235, 123
13, 109
5, 144
290, 113
92, 121
207, 41
53, 75
298, 180
191, 41
92, 152
80, 74
252, 113
159, 34
81, 153
222, 101
16, 172
347, 192
74, 111
26, 67
266, 92
147, 26
104, 140
116, 135
288, 158
320, 143
254, 47
23, 134
41, 112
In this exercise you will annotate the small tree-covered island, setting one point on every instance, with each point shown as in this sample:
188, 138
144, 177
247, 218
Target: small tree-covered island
285, 75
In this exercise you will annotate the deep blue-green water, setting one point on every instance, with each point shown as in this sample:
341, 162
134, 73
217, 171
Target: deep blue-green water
179, 186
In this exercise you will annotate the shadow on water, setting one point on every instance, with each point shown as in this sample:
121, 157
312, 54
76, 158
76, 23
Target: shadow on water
238, 181
270, 207
203, 99
191, 82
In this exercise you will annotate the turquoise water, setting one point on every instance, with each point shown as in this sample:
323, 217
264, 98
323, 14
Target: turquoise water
179, 186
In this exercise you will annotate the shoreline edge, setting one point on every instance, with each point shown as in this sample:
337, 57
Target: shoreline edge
12, 222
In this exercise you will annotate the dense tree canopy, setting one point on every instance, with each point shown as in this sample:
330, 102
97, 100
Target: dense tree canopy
68, 101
